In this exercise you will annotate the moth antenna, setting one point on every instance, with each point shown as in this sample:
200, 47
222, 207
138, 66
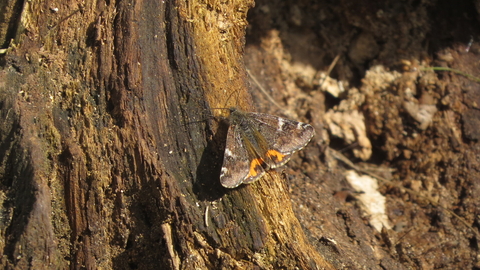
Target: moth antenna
227, 108
229, 96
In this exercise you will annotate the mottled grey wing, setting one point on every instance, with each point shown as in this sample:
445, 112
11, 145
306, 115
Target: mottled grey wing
287, 136
236, 161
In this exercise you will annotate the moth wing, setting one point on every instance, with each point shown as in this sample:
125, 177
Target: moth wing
238, 167
285, 136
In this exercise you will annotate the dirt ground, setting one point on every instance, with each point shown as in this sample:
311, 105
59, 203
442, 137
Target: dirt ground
391, 180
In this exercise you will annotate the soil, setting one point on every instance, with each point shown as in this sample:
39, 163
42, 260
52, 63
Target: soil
390, 86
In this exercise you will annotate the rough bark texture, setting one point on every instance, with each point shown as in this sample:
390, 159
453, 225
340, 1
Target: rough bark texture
111, 136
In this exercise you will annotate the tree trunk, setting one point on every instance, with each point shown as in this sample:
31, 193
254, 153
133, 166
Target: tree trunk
109, 155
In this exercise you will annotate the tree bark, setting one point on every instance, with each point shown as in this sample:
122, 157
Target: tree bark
109, 159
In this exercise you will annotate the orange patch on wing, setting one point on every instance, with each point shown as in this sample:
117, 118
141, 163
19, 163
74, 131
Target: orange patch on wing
275, 155
258, 162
